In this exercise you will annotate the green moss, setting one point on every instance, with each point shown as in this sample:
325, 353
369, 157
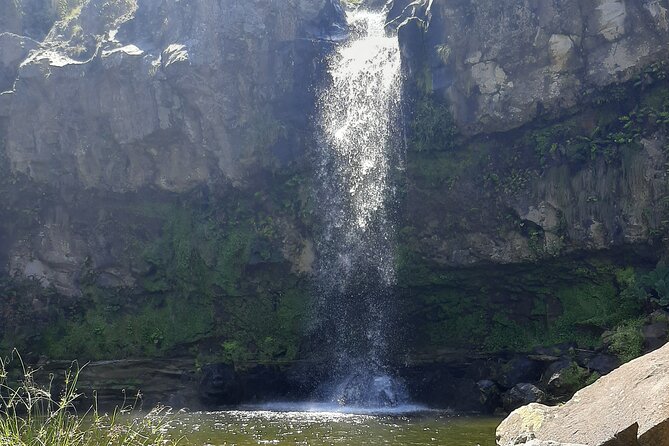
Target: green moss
626, 340
588, 304
434, 169
432, 127
592, 379
654, 286
154, 329
516, 307
69, 9
574, 378
210, 273
506, 334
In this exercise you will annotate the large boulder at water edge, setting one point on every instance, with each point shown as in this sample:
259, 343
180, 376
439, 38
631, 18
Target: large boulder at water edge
628, 407
522, 394
220, 385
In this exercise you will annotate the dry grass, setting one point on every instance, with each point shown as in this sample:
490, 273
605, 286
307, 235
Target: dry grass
31, 416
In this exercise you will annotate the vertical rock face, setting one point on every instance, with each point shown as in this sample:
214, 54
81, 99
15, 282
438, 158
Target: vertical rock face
32, 18
167, 94
523, 81
503, 63
129, 95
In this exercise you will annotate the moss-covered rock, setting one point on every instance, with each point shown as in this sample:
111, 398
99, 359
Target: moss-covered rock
516, 307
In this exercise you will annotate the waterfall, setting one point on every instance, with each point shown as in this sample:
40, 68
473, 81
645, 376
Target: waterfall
359, 154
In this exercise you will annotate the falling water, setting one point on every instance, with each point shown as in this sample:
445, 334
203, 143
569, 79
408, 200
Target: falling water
358, 155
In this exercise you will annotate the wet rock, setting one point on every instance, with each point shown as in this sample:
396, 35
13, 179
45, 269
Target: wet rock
603, 363
265, 383
490, 395
520, 369
555, 367
220, 385
522, 394
583, 356
629, 406
655, 335
368, 389
144, 383
455, 385
564, 377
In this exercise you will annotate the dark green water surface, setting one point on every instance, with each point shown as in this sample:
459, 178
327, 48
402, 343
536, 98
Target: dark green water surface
327, 427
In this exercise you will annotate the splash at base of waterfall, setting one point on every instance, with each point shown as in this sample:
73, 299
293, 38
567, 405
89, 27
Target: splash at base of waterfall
365, 389
359, 155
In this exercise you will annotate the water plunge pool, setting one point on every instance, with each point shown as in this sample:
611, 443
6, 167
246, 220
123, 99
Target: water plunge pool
319, 424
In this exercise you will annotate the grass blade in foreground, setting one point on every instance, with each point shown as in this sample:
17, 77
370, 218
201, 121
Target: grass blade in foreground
31, 416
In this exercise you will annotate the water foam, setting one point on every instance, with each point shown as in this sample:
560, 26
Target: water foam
358, 155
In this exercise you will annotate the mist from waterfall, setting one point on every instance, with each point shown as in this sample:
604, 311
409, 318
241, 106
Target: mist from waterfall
359, 155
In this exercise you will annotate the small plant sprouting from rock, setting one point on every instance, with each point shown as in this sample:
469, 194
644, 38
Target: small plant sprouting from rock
68, 9
627, 341
432, 127
656, 285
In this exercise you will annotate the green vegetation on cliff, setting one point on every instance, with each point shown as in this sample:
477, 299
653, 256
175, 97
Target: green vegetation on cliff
212, 281
516, 307
466, 194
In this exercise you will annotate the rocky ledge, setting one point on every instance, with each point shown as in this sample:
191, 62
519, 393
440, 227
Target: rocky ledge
628, 407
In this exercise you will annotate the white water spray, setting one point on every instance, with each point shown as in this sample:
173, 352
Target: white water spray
358, 155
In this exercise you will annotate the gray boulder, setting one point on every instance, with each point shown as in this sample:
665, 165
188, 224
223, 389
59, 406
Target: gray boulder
522, 394
655, 335
627, 407
603, 363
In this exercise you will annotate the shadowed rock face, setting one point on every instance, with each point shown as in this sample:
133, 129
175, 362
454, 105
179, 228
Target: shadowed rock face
629, 403
504, 69
165, 94
31, 18
219, 383
123, 96
502, 63
129, 131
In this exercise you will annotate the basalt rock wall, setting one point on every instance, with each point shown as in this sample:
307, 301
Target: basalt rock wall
163, 96
538, 99
502, 64
156, 177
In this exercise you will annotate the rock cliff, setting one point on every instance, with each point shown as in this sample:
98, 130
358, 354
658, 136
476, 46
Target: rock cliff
540, 95
121, 96
156, 174
502, 64
124, 96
